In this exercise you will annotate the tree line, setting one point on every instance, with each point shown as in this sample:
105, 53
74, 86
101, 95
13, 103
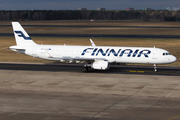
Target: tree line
89, 14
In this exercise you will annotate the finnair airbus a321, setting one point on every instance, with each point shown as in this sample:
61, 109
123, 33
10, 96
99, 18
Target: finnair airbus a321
95, 57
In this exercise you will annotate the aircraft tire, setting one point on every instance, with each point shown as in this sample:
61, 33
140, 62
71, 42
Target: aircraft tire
85, 69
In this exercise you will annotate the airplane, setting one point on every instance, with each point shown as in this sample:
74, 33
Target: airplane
95, 57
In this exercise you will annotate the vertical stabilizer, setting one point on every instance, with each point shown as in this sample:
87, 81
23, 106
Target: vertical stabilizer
22, 38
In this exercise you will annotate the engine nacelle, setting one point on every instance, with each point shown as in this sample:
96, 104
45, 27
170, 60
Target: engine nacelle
100, 65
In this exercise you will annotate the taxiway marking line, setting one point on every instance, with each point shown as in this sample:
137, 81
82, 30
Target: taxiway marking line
165, 72
173, 118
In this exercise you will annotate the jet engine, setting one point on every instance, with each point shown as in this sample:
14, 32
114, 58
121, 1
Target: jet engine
100, 65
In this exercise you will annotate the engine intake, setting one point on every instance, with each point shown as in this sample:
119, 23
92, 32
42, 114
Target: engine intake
100, 65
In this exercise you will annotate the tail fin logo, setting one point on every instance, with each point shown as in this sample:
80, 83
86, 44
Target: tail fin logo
21, 34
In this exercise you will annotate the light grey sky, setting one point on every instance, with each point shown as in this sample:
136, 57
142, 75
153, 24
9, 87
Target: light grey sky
89, 4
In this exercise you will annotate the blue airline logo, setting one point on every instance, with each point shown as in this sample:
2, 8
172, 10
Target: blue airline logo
21, 34
108, 52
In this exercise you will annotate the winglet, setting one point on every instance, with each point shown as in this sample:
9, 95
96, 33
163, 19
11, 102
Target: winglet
92, 42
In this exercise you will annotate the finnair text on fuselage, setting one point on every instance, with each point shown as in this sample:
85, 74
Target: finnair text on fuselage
119, 52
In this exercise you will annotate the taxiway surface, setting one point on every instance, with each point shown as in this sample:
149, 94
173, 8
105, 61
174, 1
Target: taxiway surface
96, 36
53, 92
77, 68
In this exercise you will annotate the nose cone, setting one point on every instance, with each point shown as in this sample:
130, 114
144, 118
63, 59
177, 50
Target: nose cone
172, 59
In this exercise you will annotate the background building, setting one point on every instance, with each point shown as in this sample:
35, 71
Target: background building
82, 8
173, 8
147, 9
101, 8
129, 8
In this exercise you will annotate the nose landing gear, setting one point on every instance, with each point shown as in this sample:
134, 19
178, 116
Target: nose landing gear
155, 67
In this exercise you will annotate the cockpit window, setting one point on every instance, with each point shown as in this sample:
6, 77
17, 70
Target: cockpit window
166, 54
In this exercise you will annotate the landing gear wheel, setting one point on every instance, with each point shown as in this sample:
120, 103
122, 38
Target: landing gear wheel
85, 68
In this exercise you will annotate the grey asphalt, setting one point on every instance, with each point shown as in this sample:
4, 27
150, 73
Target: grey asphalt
91, 26
114, 69
97, 36
63, 92
26, 105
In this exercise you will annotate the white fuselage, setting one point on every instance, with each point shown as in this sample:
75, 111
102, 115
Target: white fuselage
110, 54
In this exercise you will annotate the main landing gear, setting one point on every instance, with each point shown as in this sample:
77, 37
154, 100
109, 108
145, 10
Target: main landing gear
155, 68
85, 68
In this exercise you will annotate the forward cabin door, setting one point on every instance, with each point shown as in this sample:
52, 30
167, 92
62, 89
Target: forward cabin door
154, 54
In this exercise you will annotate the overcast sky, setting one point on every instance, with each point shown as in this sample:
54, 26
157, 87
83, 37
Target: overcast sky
89, 4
